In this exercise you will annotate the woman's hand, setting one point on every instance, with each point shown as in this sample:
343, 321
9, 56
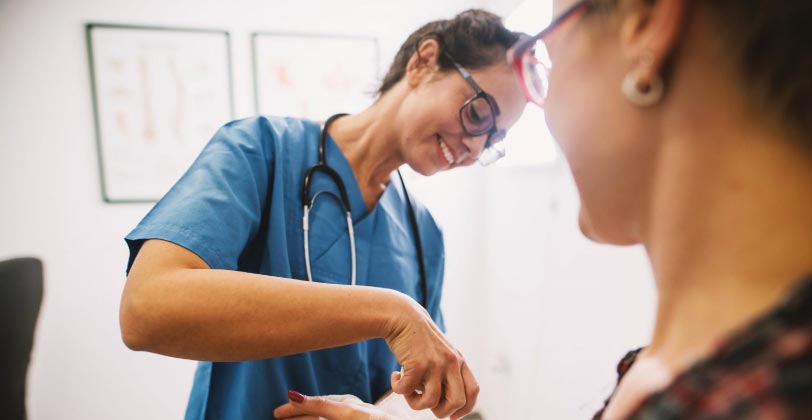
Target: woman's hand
435, 375
330, 407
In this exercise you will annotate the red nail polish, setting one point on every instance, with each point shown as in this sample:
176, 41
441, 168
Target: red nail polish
295, 396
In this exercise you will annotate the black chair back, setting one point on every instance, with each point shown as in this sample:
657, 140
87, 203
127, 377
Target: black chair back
20, 298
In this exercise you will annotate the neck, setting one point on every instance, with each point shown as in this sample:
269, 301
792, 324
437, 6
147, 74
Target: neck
730, 231
371, 146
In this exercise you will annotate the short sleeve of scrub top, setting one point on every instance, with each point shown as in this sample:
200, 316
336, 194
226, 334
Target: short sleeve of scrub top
215, 210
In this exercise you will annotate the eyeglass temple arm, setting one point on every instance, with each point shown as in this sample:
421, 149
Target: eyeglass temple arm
467, 77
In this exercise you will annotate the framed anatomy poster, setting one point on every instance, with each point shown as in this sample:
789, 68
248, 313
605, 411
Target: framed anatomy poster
159, 94
313, 76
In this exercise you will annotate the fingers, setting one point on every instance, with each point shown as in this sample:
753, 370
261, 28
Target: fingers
395, 378
287, 411
283, 413
414, 393
431, 362
301, 405
454, 397
471, 392
432, 392
408, 380
347, 399
452, 393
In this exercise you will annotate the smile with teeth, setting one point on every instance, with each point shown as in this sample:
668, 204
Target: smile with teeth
447, 154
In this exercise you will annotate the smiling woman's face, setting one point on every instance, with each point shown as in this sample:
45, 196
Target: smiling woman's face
433, 138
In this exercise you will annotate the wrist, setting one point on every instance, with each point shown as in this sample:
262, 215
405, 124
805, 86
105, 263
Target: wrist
394, 309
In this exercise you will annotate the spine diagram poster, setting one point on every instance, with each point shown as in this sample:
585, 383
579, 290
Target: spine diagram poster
159, 96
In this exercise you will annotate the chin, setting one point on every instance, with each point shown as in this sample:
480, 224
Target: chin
423, 165
586, 227
611, 234
425, 170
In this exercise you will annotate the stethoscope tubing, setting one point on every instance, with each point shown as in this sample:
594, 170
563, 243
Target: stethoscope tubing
343, 199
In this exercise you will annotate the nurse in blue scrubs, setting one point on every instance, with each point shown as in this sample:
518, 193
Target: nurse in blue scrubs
217, 268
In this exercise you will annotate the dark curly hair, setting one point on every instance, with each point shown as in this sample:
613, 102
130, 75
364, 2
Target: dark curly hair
474, 38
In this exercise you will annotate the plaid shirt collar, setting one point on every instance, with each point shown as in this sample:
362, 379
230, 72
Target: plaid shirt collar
783, 333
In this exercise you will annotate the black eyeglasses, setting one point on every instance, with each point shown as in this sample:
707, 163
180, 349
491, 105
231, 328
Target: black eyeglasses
478, 117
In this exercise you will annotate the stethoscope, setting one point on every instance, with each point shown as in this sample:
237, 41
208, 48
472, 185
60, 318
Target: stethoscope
308, 200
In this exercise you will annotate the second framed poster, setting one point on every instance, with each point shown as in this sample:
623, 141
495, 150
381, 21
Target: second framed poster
313, 76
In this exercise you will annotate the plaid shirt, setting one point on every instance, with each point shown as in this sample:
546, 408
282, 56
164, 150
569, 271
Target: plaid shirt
761, 372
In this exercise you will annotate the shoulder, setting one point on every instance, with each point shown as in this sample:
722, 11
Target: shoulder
269, 129
263, 138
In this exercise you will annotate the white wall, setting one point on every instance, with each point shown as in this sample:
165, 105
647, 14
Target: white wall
541, 313
546, 314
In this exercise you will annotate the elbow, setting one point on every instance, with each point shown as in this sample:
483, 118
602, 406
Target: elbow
137, 328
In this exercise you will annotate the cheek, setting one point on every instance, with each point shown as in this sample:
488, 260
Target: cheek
604, 140
579, 105
608, 163
584, 104
426, 112
614, 185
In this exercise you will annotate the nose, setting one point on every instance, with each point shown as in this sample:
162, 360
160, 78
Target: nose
474, 145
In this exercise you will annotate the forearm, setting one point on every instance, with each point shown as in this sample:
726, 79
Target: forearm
222, 315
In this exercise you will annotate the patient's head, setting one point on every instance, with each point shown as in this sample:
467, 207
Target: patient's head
631, 79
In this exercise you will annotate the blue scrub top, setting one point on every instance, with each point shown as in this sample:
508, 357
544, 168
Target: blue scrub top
215, 209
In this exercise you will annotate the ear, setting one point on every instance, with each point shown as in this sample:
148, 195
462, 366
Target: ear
423, 62
650, 31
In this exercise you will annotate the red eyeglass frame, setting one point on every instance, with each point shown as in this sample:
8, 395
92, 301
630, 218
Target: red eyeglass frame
524, 46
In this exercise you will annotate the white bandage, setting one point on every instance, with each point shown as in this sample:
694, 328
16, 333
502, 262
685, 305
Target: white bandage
396, 406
